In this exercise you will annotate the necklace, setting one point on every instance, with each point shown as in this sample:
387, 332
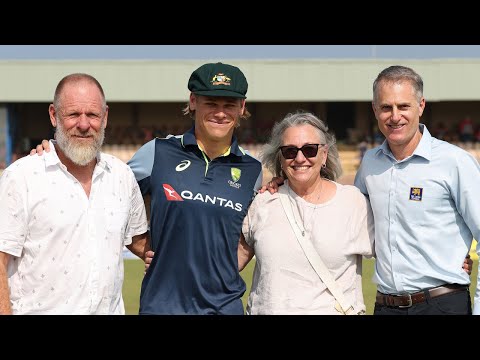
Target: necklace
290, 198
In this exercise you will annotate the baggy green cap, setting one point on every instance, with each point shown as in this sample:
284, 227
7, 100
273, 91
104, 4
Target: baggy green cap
218, 80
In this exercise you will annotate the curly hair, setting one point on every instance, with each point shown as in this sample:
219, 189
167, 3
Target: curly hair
270, 153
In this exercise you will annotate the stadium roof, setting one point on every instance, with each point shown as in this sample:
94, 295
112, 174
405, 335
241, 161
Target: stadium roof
269, 80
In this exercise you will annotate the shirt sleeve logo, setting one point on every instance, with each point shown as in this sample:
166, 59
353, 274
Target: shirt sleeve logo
416, 193
171, 194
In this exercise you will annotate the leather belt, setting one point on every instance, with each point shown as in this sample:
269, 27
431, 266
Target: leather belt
407, 300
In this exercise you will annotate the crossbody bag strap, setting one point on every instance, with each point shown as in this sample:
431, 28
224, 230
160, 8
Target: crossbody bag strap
314, 258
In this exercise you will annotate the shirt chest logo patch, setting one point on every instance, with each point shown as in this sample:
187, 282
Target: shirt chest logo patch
236, 173
184, 164
416, 193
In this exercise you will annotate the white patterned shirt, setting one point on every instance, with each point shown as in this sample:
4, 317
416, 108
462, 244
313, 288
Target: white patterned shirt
67, 247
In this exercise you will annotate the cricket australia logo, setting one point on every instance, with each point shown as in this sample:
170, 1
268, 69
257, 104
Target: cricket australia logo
184, 164
236, 173
416, 193
221, 79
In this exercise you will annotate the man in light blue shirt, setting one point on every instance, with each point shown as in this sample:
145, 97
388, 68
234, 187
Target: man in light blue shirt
425, 196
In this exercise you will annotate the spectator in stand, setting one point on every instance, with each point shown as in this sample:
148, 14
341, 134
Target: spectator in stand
441, 131
466, 131
378, 137
477, 135
362, 148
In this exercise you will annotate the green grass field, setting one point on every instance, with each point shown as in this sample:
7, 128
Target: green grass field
134, 275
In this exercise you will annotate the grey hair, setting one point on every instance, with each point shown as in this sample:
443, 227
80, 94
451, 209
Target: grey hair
271, 156
397, 74
75, 79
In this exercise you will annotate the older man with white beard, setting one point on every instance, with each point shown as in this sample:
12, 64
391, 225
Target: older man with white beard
66, 215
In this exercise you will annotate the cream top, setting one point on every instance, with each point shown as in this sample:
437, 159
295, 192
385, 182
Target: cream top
284, 282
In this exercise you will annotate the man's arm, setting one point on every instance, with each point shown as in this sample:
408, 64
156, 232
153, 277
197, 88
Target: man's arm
465, 193
273, 185
140, 245
148, 259
5, 306
476, 298
467, 265
245, 253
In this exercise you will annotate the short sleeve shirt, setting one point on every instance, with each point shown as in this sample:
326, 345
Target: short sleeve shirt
67, 247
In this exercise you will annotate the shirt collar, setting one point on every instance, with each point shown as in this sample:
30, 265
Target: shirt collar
189, 139
423, 149
51, 157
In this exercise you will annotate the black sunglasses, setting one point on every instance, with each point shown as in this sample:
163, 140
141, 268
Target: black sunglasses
308, 150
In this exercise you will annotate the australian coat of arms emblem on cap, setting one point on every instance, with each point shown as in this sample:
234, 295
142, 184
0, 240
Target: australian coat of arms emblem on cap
221, 79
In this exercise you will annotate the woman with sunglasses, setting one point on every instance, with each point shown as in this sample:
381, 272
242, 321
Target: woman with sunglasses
335, 218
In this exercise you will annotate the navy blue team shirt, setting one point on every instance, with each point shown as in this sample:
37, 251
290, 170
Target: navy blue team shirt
197, 210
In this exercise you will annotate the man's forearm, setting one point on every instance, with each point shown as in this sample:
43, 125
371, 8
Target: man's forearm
244, 253
140, 245
5, 306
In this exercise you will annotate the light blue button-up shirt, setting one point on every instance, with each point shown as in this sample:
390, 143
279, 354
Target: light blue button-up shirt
427, 211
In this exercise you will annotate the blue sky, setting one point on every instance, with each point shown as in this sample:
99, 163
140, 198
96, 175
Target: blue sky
205, 52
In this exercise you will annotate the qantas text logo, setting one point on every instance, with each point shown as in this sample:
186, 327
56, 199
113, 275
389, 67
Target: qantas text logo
172, 195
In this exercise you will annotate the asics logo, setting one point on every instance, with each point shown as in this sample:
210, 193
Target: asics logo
183, 165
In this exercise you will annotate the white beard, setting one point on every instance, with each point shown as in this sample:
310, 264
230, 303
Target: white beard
79, 153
